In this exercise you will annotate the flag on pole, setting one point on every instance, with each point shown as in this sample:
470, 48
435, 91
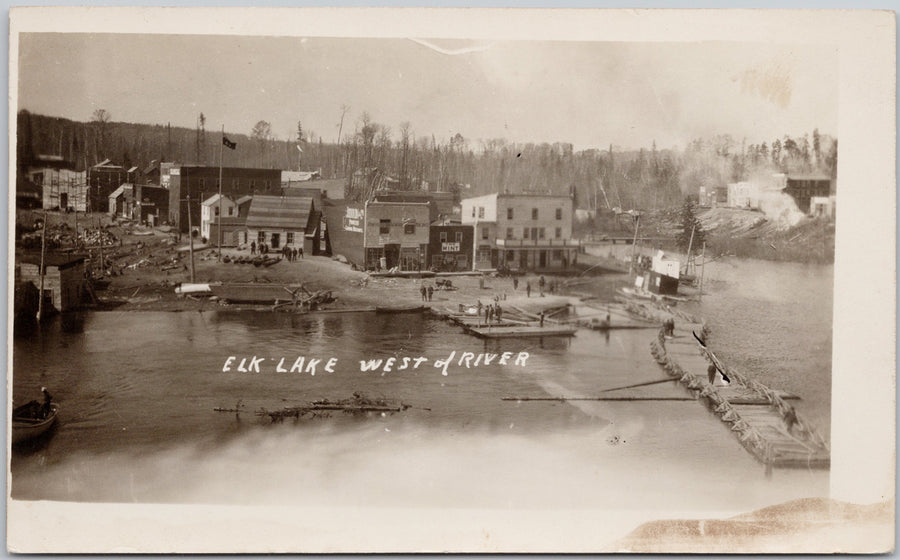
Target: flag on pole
228, 143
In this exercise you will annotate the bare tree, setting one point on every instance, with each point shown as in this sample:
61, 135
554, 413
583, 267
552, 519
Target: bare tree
100, 119
261, 132
404, 155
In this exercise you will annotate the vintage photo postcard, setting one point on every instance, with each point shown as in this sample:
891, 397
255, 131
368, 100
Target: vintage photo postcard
426, 280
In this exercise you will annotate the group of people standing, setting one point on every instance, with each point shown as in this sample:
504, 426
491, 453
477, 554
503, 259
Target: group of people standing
427, 292
542, 282
291, 253
492, 311
262, 247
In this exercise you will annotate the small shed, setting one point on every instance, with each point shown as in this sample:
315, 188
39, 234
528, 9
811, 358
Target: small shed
63, 278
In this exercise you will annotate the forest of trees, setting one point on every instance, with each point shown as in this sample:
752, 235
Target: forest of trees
646, 179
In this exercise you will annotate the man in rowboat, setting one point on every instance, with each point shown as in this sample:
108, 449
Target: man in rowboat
45, 409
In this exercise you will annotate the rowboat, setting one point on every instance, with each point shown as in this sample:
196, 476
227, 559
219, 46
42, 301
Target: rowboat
399, 309
24, 428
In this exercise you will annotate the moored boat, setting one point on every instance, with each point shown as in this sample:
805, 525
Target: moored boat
25, 427
399, 308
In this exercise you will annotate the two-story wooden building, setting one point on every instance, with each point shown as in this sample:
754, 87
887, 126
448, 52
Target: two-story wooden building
396, 234
528, 231
450, 246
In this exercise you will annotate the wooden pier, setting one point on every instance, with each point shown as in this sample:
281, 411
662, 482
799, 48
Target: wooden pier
767, 426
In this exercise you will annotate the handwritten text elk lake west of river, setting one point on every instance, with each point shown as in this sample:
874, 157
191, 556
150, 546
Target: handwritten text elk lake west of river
303, 364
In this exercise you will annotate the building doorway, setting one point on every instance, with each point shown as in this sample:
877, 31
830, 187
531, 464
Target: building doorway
543, 259
276, 240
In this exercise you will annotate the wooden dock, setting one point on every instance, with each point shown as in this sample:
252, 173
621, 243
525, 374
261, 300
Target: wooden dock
767, 426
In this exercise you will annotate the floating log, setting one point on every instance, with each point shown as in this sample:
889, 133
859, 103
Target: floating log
623, 398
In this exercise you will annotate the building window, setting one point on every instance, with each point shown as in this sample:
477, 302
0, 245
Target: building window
443, 237
485, 233
509, 213
559, 213
252, 184
558, 232
481, 211
384, 226
534, 214
409, 229
230, 210
202, 183
524, 233
261, 237
235, 183
459, 237
266, 185
217, 210
473, 211
290, 238
509, 233
541, 233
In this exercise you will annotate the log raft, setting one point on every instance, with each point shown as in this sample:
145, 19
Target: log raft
766, 426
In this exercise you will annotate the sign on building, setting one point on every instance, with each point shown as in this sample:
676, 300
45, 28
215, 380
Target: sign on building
353, 220
450, 247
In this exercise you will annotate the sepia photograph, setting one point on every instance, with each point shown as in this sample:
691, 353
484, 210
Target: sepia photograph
422, 281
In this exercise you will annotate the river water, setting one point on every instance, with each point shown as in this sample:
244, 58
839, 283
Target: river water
137, 392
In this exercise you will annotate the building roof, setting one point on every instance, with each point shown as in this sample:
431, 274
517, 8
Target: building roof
121, 190
280, 212
807, 177
214, 199
59, 260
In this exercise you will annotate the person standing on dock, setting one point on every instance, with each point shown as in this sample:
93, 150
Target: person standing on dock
515, 283
490, 314
499, 313
542, 319
430, 292
424, 292
528, 289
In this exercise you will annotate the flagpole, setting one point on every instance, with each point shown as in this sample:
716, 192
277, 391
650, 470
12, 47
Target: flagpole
219, 228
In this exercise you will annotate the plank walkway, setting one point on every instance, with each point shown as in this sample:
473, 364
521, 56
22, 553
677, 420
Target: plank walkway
765, 424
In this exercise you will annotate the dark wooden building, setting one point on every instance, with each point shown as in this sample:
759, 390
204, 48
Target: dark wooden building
199, 182
803, 187
450, 247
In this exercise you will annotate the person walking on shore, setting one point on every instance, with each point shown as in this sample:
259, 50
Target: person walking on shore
430, 292
253, 247
423, 291
528, 289
542, 319
541, 283
301, 251
515, 284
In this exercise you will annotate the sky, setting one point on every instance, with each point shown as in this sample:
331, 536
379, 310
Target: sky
591, 94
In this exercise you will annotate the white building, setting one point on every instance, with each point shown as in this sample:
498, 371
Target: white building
209, 209
521, 231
